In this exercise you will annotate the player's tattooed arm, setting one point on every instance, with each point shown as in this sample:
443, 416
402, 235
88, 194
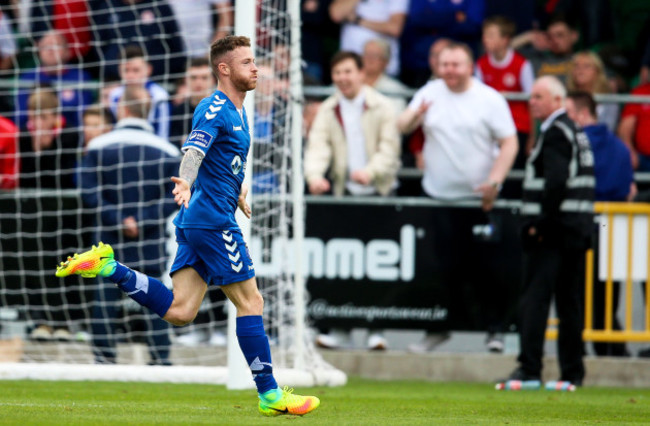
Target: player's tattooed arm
188, 172
189, 169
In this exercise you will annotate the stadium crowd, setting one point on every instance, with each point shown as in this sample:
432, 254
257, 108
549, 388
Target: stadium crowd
63, 61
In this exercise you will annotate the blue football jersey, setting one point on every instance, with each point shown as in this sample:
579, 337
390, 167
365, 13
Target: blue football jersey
224, 137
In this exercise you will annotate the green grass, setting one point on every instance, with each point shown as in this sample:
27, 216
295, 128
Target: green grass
360, 402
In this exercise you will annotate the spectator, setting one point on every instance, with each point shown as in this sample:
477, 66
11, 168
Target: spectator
376, 54
147, 23
614, 182
588, 74
367, 166
558, 224
507, 71
7, 44
196, 20
106, 89
48, 150
464, 123
428, 21
557, 60
97, 120
199, 83
354, 136
70, 18
434, 54
268, 119
415, 141
318, 34
53, 70
634, 129
135, 70
8, 157
126, 216
369, 19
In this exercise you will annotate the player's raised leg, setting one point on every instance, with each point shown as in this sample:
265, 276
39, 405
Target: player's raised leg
255, 345
100, 260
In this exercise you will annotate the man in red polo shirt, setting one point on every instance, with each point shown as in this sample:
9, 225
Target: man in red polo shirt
634, 129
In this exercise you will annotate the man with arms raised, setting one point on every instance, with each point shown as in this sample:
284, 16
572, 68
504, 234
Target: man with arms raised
209, 190
470, 143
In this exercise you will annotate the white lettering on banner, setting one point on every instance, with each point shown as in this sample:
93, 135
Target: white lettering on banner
320, 309
344, 258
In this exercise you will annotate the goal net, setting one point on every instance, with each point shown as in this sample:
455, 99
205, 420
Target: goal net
69, 57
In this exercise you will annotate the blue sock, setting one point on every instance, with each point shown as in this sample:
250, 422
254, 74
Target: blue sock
145, 290
255, 346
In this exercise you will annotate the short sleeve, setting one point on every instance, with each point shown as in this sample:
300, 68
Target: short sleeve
501, 122
418, 98
398, 6
205, 129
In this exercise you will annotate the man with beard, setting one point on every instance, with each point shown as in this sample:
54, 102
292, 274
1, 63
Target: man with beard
211, 248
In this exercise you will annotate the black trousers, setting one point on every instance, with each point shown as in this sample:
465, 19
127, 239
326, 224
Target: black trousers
549, 272
468, 243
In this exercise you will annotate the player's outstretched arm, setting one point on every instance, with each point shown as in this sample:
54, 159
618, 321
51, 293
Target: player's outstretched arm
188, 172
242, 203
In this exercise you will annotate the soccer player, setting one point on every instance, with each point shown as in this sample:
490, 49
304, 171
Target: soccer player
211, 247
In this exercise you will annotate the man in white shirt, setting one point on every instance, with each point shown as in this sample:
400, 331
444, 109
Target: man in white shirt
365, 20
470, 146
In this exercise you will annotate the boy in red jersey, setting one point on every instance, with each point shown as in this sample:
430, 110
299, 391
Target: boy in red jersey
507, 71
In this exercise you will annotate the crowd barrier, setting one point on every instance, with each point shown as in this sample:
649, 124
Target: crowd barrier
624, 245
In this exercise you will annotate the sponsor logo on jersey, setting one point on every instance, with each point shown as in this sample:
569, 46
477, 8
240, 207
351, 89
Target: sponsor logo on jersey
200, 138
236, 165
236, 128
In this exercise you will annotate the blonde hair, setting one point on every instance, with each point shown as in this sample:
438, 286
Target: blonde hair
600, 85
42, 101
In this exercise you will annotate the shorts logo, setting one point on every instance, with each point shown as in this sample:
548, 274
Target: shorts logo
236, 165
233, 254
200, 138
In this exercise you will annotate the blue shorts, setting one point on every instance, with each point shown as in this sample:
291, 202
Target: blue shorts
219, 257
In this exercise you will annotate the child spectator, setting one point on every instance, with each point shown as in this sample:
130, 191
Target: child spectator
97, 121
48, 151
135, 70
507, 71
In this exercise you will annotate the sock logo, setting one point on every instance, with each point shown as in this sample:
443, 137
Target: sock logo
141, 284
233, 255
258, 365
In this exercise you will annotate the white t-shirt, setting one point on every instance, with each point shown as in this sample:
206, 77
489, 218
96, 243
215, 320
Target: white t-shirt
194, 19
460, 136
354, 37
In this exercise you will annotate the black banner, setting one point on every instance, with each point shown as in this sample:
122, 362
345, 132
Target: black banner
396, 267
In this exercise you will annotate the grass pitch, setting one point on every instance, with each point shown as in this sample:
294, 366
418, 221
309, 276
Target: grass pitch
361, 402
